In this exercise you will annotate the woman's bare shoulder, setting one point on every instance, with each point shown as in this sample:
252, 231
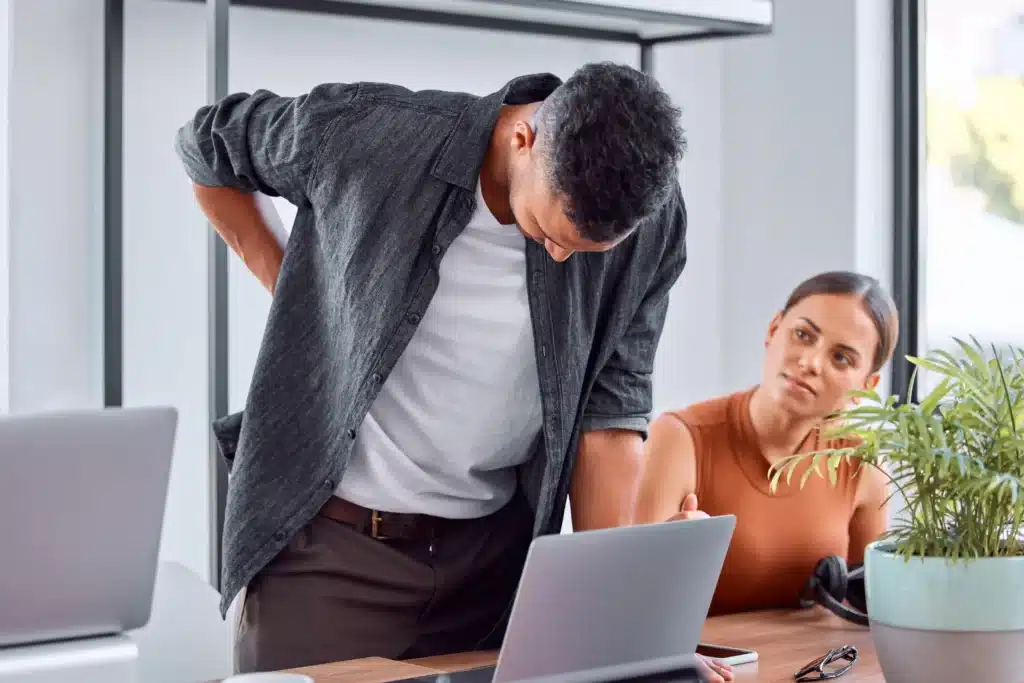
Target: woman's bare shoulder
670, 432
872, 483
711, 412
667, 470
680, 433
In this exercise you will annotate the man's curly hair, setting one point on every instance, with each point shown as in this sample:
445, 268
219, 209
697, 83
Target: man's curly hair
612, 140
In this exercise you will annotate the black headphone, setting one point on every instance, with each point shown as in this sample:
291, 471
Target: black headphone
832, 584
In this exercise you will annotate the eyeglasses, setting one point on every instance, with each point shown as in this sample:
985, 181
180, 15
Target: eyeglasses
834, 664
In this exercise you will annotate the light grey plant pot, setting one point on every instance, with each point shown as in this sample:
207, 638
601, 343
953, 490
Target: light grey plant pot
938, 621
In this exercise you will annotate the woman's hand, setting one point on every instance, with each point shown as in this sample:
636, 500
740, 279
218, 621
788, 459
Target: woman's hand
713, 671
689, 509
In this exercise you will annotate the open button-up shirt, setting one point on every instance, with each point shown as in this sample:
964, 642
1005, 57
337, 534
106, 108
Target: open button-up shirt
384, 180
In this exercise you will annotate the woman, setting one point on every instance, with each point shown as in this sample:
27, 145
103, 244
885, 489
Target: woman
834, 334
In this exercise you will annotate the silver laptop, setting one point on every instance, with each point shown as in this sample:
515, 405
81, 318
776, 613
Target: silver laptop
82, 498
615, 604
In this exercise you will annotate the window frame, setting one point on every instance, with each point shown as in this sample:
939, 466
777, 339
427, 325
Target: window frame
908, 224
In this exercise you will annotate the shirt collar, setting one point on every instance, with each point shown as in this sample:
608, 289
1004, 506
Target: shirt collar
463, 152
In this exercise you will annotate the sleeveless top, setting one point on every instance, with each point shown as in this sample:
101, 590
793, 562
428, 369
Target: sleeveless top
780, 536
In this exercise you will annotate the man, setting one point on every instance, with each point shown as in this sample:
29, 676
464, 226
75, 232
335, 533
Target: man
437, 374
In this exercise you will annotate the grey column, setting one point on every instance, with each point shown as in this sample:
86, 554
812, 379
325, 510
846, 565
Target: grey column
113, 208
217, 291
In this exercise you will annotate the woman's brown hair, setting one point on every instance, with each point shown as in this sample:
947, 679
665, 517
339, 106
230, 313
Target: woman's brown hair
877, 304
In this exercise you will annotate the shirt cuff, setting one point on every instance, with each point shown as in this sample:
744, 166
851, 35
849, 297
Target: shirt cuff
635, 423
196, 169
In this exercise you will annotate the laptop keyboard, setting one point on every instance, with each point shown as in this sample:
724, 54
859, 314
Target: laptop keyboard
486, 674
482, 674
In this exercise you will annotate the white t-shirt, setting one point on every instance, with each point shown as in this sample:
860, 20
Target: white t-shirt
462, 406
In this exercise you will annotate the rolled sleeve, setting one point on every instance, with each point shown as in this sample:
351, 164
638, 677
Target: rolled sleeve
633, 423
622, 395
261, 142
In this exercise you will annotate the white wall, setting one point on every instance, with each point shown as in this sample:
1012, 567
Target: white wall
789, 151
807, 161
789, 173
873, 128
6, 16
165, 319
690, 357
53, 204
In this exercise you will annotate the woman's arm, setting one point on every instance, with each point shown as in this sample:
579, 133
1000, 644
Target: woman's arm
871, 514
668, 472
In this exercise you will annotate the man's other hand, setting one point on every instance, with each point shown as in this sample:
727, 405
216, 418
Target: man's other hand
714, 672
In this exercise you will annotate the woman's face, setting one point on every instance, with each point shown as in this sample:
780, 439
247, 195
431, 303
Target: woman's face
818, 352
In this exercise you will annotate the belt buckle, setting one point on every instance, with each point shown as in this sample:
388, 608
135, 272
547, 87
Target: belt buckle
375, 520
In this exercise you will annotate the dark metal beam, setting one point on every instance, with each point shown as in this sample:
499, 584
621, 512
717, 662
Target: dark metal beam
349, 8
907, 53
647, 58
113, 207
714, 34
217, 291
436, 18
649, 15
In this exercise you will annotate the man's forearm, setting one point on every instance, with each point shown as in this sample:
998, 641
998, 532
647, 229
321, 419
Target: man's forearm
604, 480
237, 219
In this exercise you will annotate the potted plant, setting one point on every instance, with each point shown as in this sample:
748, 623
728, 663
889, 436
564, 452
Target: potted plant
945, 585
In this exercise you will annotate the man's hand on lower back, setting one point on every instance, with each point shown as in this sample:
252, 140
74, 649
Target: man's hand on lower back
237, 218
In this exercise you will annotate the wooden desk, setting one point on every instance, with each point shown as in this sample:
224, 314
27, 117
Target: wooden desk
785, 641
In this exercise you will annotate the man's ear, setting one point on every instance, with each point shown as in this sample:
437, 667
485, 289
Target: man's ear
773, 327
523, 136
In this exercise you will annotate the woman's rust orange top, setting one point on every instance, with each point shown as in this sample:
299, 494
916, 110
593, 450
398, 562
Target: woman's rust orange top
779, 536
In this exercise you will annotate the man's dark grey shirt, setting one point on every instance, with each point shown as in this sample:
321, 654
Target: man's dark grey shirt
384, 179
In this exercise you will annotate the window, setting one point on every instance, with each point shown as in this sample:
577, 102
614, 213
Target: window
968, 213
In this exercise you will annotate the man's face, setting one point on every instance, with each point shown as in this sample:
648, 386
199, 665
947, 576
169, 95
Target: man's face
539, 213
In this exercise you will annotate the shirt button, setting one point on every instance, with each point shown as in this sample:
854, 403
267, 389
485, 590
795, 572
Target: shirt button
351, 433
329, 484
377, 377
280, 536
414, 318
436, 249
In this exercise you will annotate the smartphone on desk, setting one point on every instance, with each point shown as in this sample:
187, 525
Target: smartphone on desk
726, 655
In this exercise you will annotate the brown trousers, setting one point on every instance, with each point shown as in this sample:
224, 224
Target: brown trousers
334, 593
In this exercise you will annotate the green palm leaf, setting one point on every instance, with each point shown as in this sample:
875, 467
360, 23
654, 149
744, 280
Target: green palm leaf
957, 456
